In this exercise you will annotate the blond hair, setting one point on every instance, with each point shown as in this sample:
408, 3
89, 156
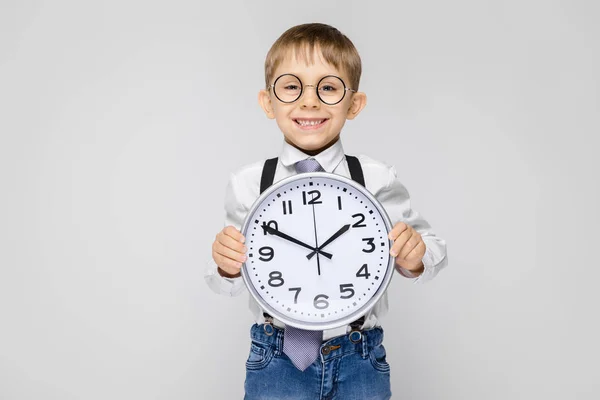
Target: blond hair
334, 46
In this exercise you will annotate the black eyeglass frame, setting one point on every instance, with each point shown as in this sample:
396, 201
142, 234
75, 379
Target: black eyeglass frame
302, 85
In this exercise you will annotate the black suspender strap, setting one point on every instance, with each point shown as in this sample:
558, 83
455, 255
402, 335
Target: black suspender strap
356, 171
268, 174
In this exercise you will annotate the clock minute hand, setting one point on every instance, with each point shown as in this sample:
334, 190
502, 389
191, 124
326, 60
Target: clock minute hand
276, 232
339, 233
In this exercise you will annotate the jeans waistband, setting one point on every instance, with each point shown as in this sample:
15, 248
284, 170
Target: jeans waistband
354, 342
328, 334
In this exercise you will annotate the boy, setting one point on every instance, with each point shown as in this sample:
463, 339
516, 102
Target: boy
302, 70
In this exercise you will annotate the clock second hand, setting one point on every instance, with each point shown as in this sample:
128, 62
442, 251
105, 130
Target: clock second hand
316, 240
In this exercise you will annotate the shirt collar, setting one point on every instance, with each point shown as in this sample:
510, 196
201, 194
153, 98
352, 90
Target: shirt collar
328, 158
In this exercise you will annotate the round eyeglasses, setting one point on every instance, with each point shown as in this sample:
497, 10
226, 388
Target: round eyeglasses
330, 89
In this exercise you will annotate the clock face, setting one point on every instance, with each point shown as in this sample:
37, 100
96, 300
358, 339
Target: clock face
318, 251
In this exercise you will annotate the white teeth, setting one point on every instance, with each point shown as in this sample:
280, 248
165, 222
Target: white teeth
309, 123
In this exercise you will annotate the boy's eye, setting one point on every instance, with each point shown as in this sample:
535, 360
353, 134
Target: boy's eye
292, 87
328, 88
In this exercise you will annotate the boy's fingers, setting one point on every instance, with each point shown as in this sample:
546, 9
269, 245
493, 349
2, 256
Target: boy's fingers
228, 265
232, 243
415, 250
234, 233
395, 250
408, 246
397, 230
229, 253
400, 243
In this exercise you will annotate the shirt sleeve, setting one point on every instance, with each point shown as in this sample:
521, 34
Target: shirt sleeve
235, 213
396, 200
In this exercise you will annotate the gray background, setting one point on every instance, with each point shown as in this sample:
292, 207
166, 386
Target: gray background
120, 122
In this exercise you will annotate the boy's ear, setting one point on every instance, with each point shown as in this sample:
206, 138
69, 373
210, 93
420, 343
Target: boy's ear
264, 99
359, 101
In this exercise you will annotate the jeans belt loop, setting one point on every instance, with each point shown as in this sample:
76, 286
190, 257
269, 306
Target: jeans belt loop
268, 325
355, 334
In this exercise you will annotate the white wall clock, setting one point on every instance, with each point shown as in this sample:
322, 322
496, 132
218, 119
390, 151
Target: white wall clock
318, 251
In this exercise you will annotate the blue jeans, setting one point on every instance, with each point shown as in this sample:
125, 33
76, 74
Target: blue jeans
352, 371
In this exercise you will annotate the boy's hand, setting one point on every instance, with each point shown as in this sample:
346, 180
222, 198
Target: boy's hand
408, 247
229, 252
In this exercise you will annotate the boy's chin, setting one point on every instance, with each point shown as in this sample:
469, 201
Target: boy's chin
310, 146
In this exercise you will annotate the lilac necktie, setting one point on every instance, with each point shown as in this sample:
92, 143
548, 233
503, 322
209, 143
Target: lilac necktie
300, 345
308, 165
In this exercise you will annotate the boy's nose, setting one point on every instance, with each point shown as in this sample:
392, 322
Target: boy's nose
309, 98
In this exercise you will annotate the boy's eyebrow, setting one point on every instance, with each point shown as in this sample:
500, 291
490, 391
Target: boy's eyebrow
299, 75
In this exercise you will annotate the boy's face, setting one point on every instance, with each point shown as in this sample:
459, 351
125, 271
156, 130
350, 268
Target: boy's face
309, 124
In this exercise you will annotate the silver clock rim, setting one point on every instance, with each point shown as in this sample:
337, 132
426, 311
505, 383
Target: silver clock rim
350, 317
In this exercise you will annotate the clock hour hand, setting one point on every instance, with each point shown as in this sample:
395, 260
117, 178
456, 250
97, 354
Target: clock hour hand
276, 232
339, 233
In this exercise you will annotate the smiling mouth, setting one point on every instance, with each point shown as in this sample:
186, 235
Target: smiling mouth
310, 123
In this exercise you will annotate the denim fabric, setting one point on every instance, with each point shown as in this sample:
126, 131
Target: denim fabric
354, 371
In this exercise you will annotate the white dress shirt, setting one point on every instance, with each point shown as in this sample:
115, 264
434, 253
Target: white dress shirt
380, 179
